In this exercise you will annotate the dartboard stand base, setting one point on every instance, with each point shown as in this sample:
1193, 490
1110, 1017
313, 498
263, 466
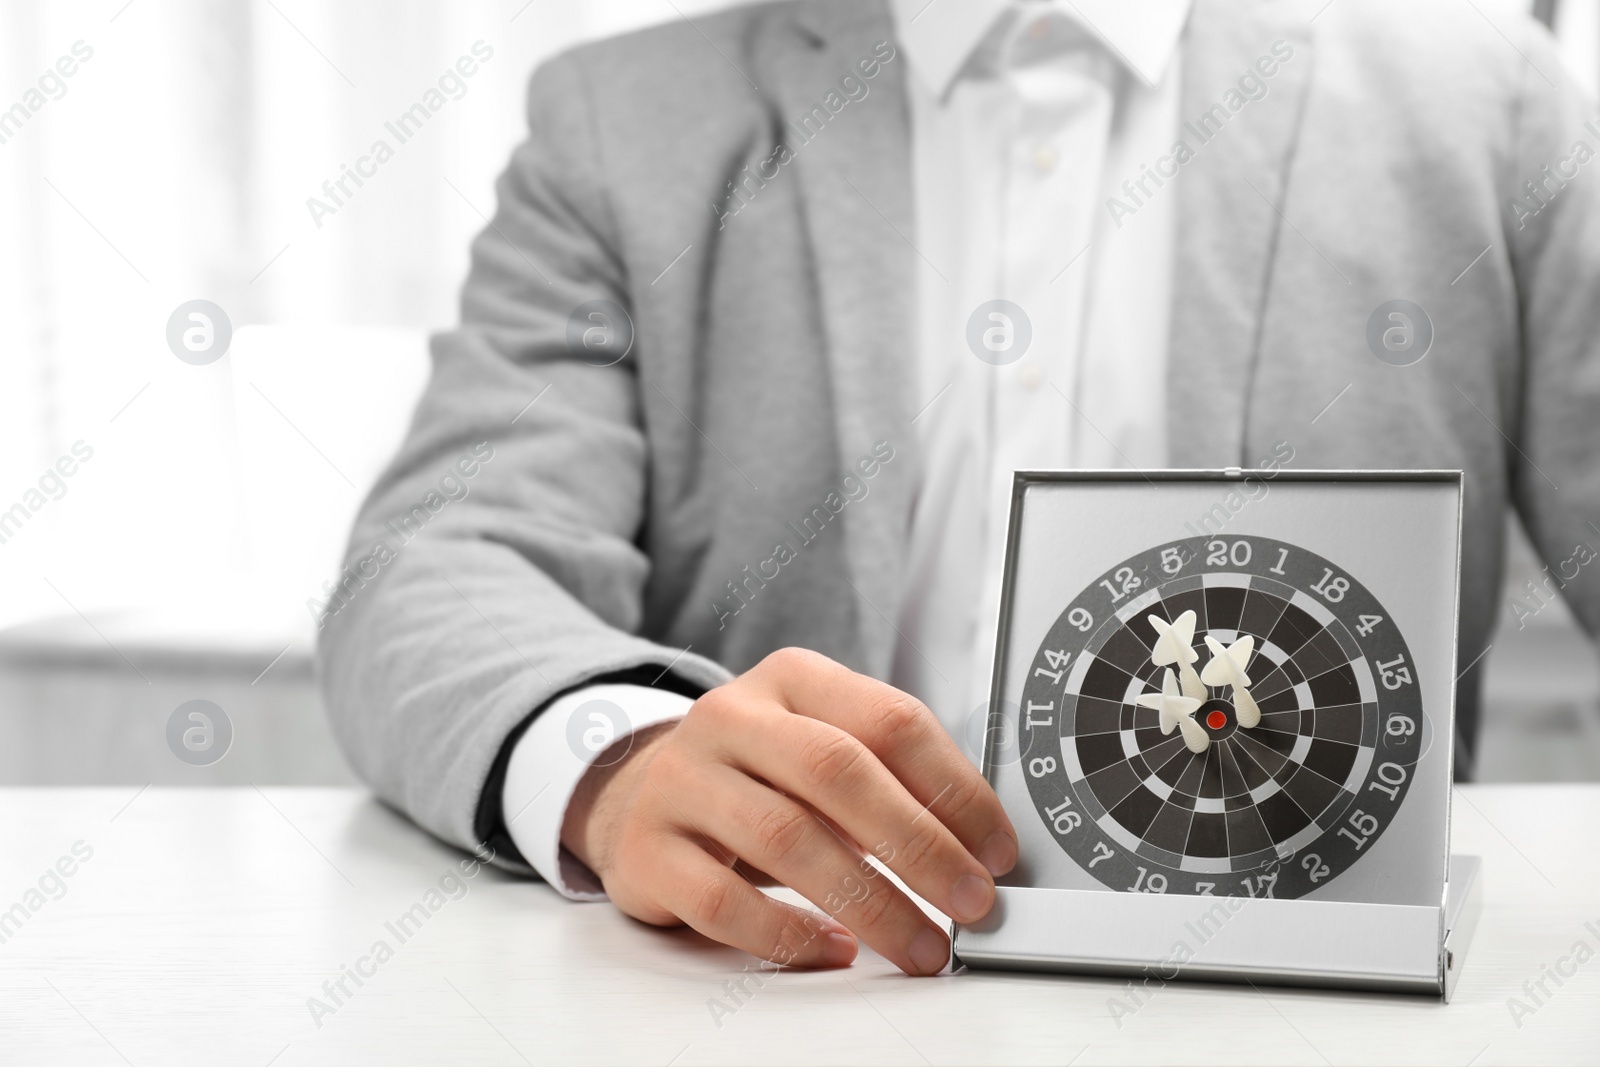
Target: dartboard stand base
1222, 721
1335, 945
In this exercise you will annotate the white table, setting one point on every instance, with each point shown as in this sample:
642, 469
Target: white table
206, 918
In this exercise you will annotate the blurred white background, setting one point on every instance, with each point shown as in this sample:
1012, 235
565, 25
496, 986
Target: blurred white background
175, 164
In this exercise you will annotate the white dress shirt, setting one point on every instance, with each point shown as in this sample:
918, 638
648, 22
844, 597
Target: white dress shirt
1026, 116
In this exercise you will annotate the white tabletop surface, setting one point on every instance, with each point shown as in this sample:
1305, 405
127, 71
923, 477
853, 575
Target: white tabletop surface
205, 919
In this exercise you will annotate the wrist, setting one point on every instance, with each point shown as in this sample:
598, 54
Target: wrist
602, 797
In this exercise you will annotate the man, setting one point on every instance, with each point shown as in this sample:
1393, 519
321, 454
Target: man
773, 303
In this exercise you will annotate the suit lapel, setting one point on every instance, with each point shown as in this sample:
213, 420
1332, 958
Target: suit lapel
855, 186
1230, 202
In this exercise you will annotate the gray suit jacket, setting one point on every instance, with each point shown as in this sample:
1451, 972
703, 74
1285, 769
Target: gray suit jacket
617, 503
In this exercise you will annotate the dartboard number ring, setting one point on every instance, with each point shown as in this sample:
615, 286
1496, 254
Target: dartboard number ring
1223, 715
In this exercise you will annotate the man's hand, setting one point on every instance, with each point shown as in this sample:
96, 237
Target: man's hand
798, 768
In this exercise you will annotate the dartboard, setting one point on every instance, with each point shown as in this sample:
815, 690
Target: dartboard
1221, 715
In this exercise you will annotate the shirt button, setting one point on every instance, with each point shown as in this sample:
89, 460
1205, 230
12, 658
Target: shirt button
1031, 376
1044, 160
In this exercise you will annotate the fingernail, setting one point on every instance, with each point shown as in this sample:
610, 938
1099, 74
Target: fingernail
998, 854
970, 898
838, 949
929, 951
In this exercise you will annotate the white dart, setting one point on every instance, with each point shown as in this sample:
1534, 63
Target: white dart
1177, 710
1245, 710
1173, 640
1227, 668
1227, 664
1174, 645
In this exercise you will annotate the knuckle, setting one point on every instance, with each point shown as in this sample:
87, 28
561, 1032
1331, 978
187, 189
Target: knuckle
710, 903
780, 830
963, 796
895, 719
874, 908
923, 845
715, 705
789, 659
831, 757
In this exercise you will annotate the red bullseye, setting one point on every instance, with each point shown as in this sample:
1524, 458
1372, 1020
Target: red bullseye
1216, 720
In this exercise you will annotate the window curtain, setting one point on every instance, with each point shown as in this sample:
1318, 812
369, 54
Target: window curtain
154, 152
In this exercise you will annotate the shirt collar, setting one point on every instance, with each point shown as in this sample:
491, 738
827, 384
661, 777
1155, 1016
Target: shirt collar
940, 35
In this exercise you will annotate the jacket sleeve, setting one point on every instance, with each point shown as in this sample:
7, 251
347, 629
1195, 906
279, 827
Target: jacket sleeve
497, 562
1552, 420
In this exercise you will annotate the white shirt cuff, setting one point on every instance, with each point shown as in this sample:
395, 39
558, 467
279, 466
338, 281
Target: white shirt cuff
550, 759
